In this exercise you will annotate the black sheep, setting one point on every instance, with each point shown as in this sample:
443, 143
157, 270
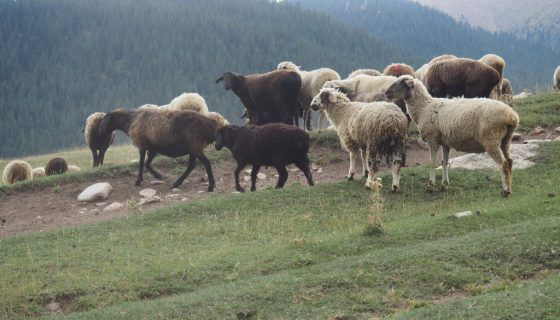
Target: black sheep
274, 144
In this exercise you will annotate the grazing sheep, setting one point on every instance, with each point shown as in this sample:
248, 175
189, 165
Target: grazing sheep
222, 122
369, 72
376, 129
556, 78
16, 171
311, 83
461, 77
468, 125
398, 69
421, 72
169, 132
98, 144
38, 172
274, 93
56, 166
73, 168
274, 144
499, 64
189, 101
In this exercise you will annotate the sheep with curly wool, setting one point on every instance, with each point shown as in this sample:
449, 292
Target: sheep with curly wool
556, 78
467, 125
16, 171
169, 132
38, 172
369, 72
311, 83
56, 166
377, 129
398, 69
96, 143
499, 64
189, 101
274, 144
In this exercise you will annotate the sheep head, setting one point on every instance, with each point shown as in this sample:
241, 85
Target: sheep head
324, 98
230, 79
225, 136
288, 65
403, 88
119, 119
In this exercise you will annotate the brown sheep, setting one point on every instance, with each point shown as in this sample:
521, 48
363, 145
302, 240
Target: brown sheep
398, 69
56, 166
461, 77
169, 132
96, 143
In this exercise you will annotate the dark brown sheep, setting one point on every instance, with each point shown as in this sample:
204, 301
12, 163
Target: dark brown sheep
398, 69
461, 77
274, 144
274, 93
56, 166
169, 132
97, 144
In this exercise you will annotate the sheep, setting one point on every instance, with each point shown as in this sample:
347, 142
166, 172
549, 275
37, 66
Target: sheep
311, 83
222, 122
556, 78
16, 171
398, 69
150, 106
376, 129
443, 57
189, 101
56, 166
369, 72
461, 77
468, 125
499, 64
274, 144
274, 93
421, 72
96, 143
507, 90
73, 168
169, 132
38, 172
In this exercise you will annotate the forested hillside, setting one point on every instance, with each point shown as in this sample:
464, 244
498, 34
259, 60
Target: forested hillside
64, 59
427, 33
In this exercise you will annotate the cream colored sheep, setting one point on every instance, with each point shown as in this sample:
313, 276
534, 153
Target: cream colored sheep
376, 129
73, 168
189, 101
363, 88
499, 64
556, 78
468, 125
311, 83
17, 170
369, 72
38, 172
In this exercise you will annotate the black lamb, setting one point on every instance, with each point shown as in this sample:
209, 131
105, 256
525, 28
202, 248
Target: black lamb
274, 144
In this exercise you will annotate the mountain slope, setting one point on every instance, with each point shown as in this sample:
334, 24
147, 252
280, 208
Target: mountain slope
427, 33
64, 59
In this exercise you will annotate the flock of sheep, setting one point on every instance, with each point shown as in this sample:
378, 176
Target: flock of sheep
456, 103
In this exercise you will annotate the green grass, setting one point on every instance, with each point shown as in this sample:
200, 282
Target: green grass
298, 253
538, 110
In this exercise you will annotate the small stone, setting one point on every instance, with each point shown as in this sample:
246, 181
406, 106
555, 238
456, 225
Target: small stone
172, 196
537, 130
314, 167
147, 193
101, 204
115, 206
39, 217
54, 307
535, 141
203, 179
157, 182
261, 176
557, 129
94, 211
96, 192
185, 199
556, 139
320, 170
246, 178
148, 200
200, 191
82, 211
463, 214
248, 171
516, 136
176, 190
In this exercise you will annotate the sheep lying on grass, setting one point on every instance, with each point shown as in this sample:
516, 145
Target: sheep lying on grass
169, 132
468, 125
38, 172
377, 129
56, 166
98, 144
17, 170
274, 144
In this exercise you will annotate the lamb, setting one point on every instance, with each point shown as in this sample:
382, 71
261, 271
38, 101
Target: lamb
96, 143
499, 64
311, 83
369, 72
461, 77
16, 171
398, 69
274, 93
274, 144
189, 101
169, 132
556, 78
56, 166
38, 172
421, 72
468, 125
376, 129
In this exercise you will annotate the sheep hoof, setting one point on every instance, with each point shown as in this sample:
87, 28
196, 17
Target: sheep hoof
240, 189
430, 188
505, 193
253, 189
444, 187
210, 189
350, 177
366, 174
394, 189
137, 183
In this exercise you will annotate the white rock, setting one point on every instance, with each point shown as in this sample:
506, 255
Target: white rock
537, 130
172, 196
147, 193
556, 139
101, 204
516, 136
149, 200
536, 141
201, 191
520, 153
246, 178
94, 211
261, 176
176, 190
39, 217
54, 306
463, 214
314, 167
115, 206
96, 192
557, 129
248, 171
320, 170
185, 199
157, 182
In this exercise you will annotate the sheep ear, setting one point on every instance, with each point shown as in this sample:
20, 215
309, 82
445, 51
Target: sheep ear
409, 83
332, 98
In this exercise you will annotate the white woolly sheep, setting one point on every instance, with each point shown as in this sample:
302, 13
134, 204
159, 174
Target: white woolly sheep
16, 171
369, 72
311, 83
74, 168
556, 78
99, 144
38, 172
189, 101
499, 64
376, 129
468, 125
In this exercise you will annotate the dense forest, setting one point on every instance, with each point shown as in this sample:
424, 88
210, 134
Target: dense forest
64, 59
428, 32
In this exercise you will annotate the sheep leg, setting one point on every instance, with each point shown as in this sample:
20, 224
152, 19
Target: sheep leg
364, 154
254, 173
140, 177
352, 169
208, 167
434, 148
101, 155
321, 122
307, 119
373, 161
303, 165
498, 156
240, 166
190, 167
95, 158
397, 164
152, 171
445, 168
282, 175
